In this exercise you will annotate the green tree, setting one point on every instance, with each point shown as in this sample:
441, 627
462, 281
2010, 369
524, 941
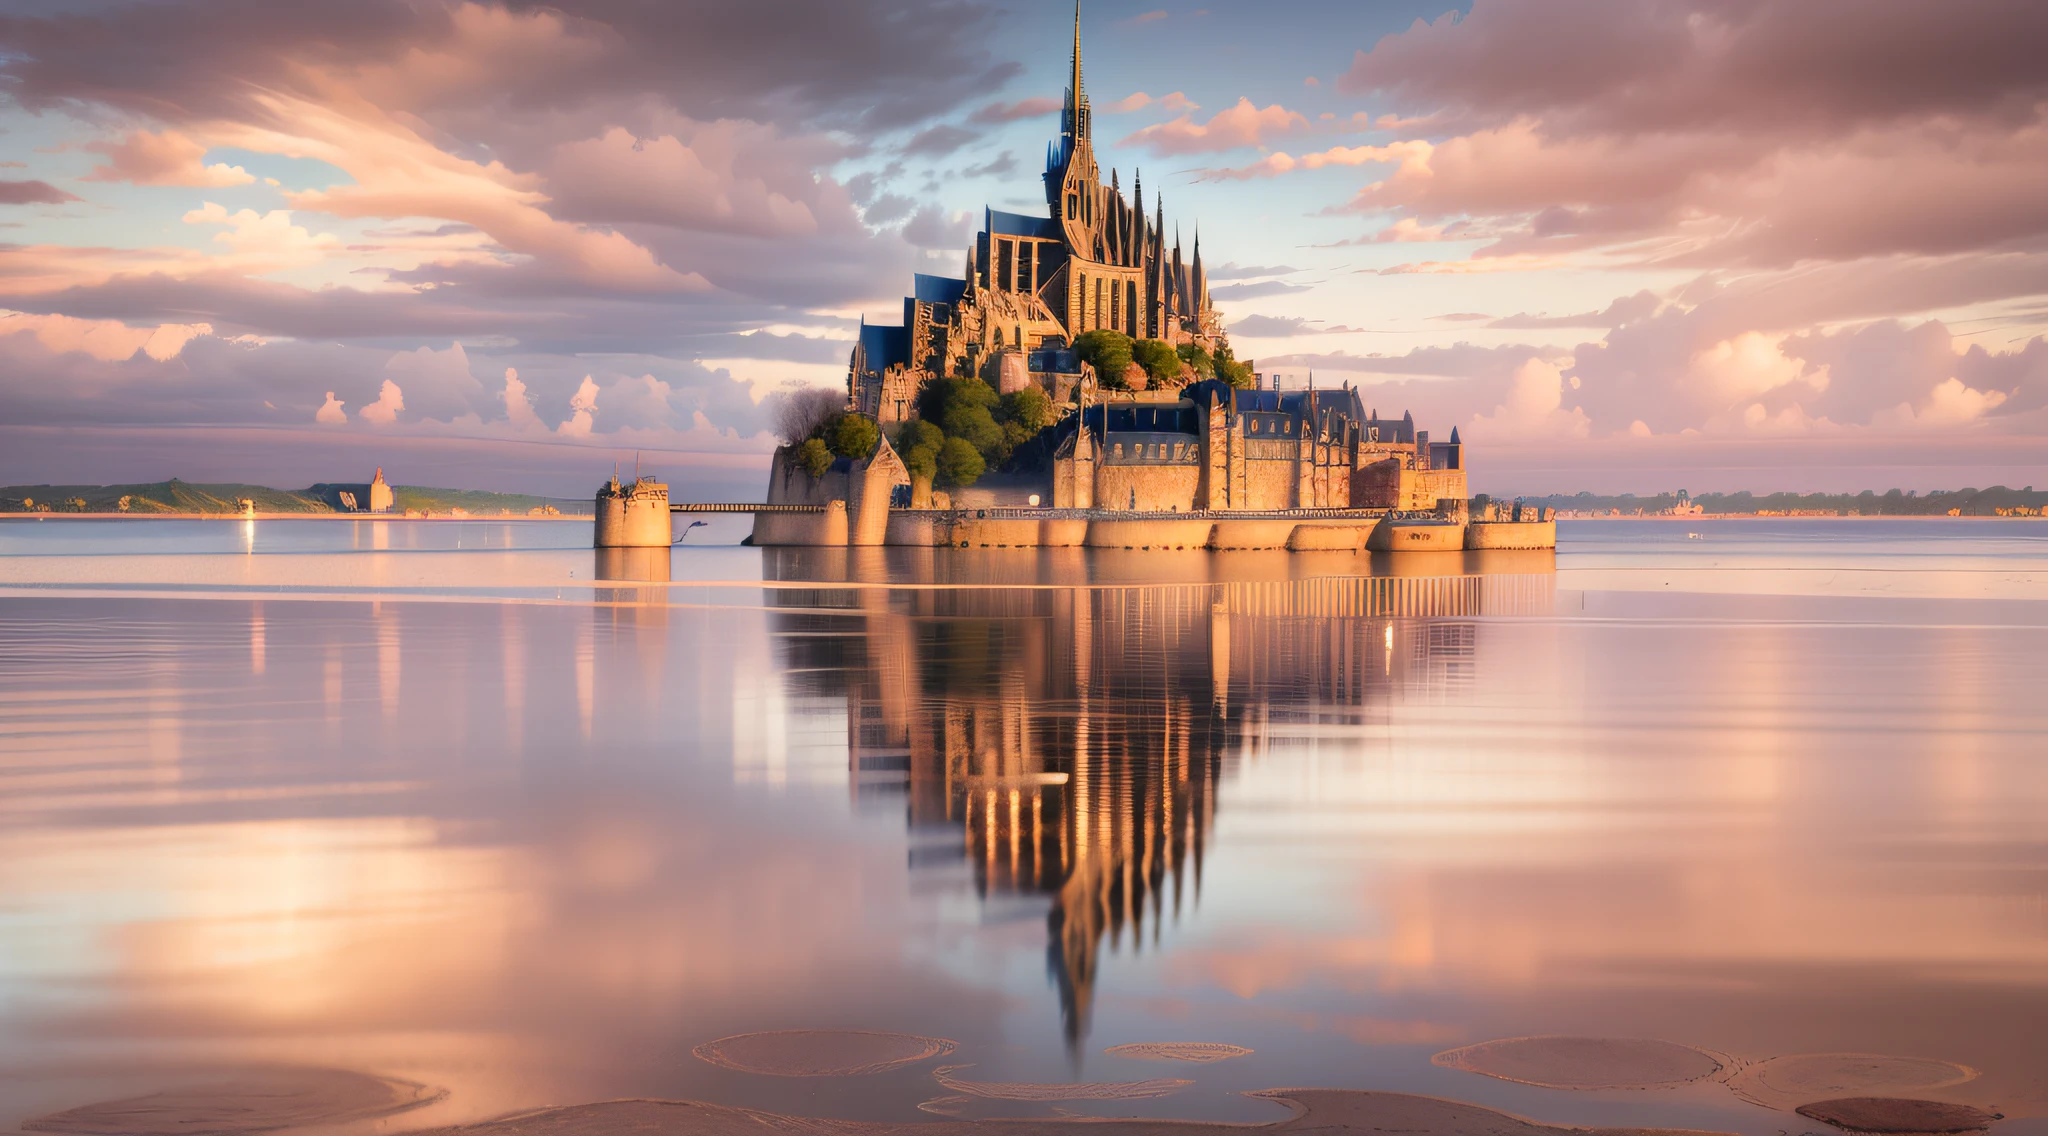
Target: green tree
1230, 370
923, 461
960, 463
814, 456
1194, 356
965, 411
1029, 409
1109, 352
852, 435
1160, 360
917, 434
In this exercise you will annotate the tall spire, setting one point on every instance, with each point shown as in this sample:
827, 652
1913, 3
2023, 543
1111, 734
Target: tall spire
1077, 95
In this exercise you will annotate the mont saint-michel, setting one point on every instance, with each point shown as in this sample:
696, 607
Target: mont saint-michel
1074, 386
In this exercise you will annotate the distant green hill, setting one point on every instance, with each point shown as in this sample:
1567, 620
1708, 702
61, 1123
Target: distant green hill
175, 496
1995, 501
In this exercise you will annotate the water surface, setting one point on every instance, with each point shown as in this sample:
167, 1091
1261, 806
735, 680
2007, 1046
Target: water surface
431, 800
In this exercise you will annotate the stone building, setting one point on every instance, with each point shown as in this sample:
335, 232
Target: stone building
1220, 449
1033, 284
371, 497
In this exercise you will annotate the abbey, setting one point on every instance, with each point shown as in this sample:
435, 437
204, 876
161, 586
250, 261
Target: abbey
1123, 461
1033, 284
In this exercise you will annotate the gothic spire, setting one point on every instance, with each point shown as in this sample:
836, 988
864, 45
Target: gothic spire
1077, 95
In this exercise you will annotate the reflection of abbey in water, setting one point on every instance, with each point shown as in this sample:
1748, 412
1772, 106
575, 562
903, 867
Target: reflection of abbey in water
1070, 743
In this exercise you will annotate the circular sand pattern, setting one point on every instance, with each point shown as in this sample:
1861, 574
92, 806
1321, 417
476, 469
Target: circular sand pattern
1199, 1052
1584, 1062
1785, 1082
256, 1101
821, 1053
1027, 1091
1899, 1115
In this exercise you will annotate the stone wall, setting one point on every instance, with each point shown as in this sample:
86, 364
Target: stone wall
1153, 488
1268, 484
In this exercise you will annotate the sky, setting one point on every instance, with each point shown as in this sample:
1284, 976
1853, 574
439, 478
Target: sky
1621, 245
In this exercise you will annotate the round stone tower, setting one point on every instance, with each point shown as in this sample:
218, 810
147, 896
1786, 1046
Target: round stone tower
633, 516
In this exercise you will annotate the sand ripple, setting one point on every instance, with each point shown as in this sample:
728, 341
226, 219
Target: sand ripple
1899, 1115
1584, 1062
1785, 1082
821, 1053
1028, 1091
256, 1101
1200, 1052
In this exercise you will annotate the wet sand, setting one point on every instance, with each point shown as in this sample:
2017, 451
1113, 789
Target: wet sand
1899, 1115
1790, 1081
1057, 1091
1197, 1052
821, 1053
1584, 1062
255, 1101
1315, 1110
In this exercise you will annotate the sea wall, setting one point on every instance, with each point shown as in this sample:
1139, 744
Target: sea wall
1509, 535
826, 528
1392, 535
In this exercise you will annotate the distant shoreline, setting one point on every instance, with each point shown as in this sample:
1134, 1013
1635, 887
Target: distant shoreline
584, 517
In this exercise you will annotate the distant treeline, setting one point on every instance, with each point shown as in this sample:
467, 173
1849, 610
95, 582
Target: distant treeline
175, 496
1995, 501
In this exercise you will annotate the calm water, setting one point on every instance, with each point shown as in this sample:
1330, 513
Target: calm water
433, 801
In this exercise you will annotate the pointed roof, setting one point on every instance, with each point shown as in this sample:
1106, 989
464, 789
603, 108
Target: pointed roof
1077, 95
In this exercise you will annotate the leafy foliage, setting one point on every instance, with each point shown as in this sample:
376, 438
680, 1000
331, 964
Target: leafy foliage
959, 463
919, 441
850, 435
1109, 352
1230, 370
1160, 360
1195, 357
815, 456
1028, 408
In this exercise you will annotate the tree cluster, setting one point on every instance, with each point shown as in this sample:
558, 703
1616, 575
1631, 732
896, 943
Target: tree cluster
1112, 352
964, 428
842, 434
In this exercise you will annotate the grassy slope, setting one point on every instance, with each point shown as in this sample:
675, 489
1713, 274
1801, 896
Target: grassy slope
176, 496
1968, 502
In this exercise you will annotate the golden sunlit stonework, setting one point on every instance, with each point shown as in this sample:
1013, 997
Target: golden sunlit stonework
1186, 450
1034, 284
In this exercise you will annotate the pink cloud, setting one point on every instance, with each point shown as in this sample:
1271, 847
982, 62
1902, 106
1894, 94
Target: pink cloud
1237, 126
1175, 103
169, 158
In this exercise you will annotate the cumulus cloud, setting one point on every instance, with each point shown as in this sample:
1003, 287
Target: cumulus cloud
331, 412
437, 384
1534, 406
1233, 128
582, 410
518, 407
384, 411
169, 158
107, 340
